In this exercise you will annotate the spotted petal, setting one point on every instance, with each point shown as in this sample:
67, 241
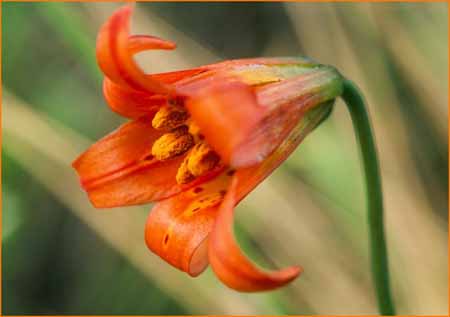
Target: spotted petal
227, 260
118, 170
178, 228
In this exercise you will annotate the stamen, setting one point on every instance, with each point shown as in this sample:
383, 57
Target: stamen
202, 159
184, 134
184, 176
170, 117
172, 144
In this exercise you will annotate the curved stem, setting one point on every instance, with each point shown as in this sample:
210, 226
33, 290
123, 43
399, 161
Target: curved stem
378, 254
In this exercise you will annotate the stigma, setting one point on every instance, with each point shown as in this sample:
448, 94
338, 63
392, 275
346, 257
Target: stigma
182, 137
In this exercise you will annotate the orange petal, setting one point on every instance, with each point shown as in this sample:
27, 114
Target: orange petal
139, 43
254, 121
118, 170
230, 264
131, 103
229, 107
138, 184
177, 228
172, 77
130, 143
248, 178
115, 50
227, 260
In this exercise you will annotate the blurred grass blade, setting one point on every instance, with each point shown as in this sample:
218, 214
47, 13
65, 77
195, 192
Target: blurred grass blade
70, 27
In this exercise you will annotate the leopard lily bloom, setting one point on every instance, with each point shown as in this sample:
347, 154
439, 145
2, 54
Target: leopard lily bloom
198, 141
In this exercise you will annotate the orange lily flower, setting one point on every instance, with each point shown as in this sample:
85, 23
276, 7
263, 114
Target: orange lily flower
198, 142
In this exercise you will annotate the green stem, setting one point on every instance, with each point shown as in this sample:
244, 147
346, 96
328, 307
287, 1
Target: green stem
378, 253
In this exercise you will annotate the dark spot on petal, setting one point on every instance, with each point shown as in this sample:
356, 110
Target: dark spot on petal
198, 190
196, 209
149, 157
166, 239
223, 192
201, 136
231, 172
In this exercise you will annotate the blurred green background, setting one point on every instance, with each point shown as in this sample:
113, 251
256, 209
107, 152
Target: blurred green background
61, 256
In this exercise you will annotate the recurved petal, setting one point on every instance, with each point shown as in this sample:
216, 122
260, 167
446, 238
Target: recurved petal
177, 228
115, 49
131, 103
119, 170
226, 259
230, 264
139, 43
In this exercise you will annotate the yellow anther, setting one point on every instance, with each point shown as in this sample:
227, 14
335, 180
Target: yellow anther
201, 159
170, 117
172, 144
184, 176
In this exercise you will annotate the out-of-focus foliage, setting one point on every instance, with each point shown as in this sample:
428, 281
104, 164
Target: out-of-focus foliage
60, 256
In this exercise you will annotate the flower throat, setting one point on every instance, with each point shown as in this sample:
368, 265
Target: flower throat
182, 136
